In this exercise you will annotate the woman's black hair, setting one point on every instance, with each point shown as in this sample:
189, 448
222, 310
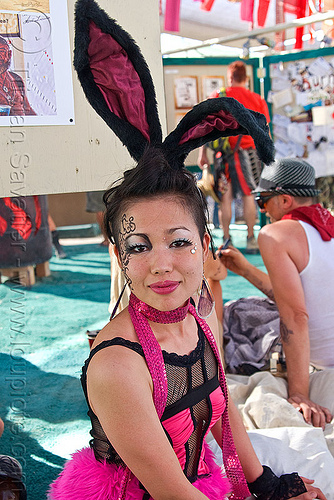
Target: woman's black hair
153, 177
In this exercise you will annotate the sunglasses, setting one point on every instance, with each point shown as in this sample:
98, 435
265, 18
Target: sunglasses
262, 200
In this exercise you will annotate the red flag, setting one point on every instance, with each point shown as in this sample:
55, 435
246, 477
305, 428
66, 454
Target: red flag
246, 10
207, 5
297, 7
172, 15
262, 12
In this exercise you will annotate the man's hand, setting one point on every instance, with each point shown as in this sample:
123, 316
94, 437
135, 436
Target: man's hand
313, 414
233, 259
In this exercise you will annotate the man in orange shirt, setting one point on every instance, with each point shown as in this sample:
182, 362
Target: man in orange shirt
239, 172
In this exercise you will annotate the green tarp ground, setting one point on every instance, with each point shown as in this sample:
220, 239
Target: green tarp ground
43, 347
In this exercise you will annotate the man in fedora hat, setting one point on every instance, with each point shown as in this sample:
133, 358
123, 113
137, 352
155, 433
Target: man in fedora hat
298, 251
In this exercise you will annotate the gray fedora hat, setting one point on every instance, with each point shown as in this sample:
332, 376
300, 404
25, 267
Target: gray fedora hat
292, 176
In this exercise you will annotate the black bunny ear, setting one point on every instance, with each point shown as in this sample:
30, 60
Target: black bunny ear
115, 78
214, 118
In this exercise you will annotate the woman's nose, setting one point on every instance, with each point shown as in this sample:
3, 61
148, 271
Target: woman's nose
162, 261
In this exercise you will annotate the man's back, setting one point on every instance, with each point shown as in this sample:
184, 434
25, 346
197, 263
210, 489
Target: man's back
250, 100
318, 285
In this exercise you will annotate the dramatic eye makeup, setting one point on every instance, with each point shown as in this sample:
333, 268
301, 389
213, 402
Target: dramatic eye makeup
134, 248
181, 242
137, 243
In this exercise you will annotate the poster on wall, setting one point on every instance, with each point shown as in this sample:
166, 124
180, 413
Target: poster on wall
35, 63
185, 92
211, 84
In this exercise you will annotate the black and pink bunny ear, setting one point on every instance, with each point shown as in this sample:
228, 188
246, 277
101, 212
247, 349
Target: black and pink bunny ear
118, 84
115, 78
214, 118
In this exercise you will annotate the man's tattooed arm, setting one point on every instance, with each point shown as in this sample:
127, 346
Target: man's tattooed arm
285, 332
260, 285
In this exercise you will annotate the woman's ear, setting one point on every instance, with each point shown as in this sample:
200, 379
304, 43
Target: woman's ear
116, 253
206, 246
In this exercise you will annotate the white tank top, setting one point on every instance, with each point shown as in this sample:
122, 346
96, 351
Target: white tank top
318, 284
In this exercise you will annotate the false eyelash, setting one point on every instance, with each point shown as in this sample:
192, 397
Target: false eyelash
183, 240
132, 248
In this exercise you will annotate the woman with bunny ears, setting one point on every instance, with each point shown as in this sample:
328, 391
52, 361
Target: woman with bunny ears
154, 382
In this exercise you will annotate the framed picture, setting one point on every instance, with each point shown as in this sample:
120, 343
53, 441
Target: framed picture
185, 92
9, 24
211, 84
39, 68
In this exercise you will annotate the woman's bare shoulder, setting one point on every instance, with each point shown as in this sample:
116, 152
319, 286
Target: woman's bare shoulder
120, 326
115, 358
116, 362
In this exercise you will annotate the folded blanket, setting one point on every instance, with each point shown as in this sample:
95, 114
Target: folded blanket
262, 401
292, 449
251, 334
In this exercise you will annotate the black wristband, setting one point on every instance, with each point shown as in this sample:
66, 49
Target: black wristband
270, 487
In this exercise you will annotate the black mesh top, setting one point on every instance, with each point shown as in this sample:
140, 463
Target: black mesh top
191, 380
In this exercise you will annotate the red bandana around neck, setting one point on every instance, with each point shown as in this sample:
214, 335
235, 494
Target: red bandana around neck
316, 216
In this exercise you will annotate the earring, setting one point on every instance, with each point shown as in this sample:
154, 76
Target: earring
206, 302
193, 250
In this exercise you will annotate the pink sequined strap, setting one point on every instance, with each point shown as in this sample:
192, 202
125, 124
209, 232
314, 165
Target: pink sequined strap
153, 356
156, 366
230, 457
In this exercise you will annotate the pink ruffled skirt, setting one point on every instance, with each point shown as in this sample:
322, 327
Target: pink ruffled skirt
84, 478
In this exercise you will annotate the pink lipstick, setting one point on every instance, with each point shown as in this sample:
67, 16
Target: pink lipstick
164, 287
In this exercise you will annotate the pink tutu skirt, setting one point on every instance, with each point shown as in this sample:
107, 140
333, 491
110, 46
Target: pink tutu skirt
84, 478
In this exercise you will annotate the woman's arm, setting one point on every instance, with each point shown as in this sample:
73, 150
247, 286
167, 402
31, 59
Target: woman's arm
248, 459
250, 463
120, 394
215, 272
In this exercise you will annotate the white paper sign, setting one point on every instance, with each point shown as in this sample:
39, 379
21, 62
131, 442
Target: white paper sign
323, 115
40, 71
282, 98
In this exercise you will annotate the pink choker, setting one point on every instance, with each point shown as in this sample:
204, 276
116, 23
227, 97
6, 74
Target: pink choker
157, 316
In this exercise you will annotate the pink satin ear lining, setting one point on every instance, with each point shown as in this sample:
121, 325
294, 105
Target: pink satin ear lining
117, 79
220, 121
122, 90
